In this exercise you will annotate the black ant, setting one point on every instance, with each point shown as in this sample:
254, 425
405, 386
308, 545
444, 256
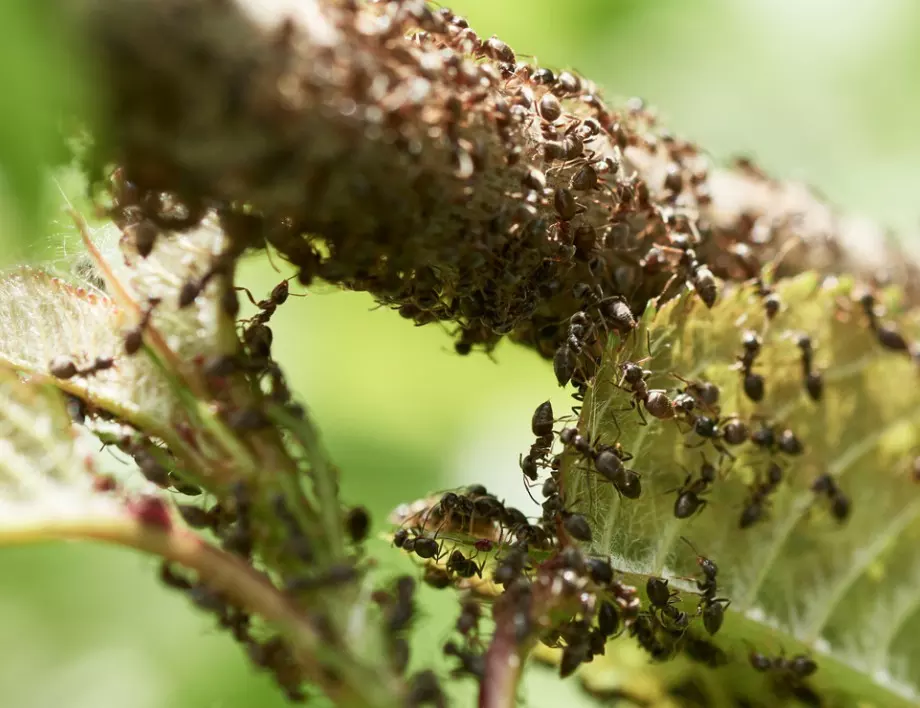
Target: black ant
711, 607
659, 594
693, 271
840, 502
703, 393
566, 357
758, 501
753, 384
689, 495
709, 430
656, 401
462, 566
608, 461
614, 310
886, 334
814, 381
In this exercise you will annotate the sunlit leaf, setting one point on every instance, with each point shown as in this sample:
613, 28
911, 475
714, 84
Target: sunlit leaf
46, 465
798, 580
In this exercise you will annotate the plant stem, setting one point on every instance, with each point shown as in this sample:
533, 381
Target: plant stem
350, 685
504, 664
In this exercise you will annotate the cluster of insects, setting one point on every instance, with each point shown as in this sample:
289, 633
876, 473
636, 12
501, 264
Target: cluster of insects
548, 237
269, 652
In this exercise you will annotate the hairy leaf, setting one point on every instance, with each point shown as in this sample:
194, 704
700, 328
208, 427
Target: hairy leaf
799, 580
44, 318
46, 466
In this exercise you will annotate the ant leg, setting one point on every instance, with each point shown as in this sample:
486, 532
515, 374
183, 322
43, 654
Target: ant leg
248, 294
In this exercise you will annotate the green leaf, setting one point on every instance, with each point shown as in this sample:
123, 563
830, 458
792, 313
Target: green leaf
799, 580
39, 82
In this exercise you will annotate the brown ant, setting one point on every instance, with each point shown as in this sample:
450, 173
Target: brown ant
267, 307
65, 368
135, 337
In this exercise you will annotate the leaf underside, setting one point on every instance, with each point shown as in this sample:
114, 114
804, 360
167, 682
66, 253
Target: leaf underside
798, 581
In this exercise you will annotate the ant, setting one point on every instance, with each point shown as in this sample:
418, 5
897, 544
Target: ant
542, 427
814, 381
659, 594
753, 383
565, 358
689, 500
759, 499
267, 307
608, 461
464, 567
135, 337
693, 271
703, 393
614, 310
711, 607
65, 368
886, 334
656, 401
709, 429
840, 502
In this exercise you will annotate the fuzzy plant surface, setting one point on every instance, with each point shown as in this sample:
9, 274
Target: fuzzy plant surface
727, 517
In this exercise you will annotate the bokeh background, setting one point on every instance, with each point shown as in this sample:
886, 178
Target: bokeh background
818, 90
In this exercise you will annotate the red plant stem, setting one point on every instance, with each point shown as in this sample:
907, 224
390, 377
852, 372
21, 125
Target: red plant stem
504, 664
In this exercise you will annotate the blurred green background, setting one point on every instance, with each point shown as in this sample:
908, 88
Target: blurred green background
820, 90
